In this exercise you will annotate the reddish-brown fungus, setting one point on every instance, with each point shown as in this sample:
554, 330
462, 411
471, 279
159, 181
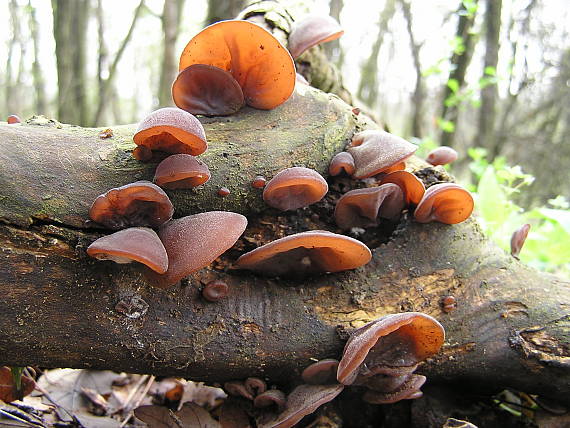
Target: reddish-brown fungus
441, 156
136, 204
518, 239
195, 241
138, 244
377, 151
237, 388
320, 373
411, 185
303, 401
207, 90
215, 290
316, 251
312, 30
259, 182
255, 385
294, 188
181, 171
446, 203
408, 390
394, 341
170, 130
223, 191
362, 207
342, 161
261, 65
13, 119
272, 397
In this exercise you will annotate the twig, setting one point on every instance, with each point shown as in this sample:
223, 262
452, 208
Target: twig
138, 401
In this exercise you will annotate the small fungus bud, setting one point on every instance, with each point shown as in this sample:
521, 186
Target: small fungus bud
259, 182
215, 290
518, 239
223, 191
13, 119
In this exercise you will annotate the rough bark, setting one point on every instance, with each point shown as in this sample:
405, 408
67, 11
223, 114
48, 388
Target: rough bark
60, 308
459, 63
70, 19
489, 95
171, 16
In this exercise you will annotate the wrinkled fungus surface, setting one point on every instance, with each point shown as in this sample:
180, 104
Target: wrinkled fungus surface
377, 151
302, 401
139, 244
446, 203
136, 204
262, 67
304, 253
294, 188
362, 207
195, 241
207, 90
411, 185
181, 172
170, 130
311, 31
391, 345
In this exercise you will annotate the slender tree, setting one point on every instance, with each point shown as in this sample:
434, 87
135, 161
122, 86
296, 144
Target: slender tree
70, 23
418, 95
37, 74
106, 86
368, 87
488, 110
171, 17
220, 10
12, 100
333, 49
460, 60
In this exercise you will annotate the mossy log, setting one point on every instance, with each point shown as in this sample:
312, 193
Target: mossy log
62, 309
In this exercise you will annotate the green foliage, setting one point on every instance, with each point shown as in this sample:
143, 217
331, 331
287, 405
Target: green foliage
548, 244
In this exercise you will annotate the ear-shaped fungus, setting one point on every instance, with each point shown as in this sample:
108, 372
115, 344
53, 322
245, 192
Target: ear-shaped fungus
411, 185
313, 30
195, 241
215, 290
446, 203
316, 251
441, 156
518, 239
258, 62
270, 398
170, 130
392, 345
362, 207
342, 161
377, 151
303, 401
294, 188
181, 172
136, 204
13, 119
322, 372
138, 244
208, 90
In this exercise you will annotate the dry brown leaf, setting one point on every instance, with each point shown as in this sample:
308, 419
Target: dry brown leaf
8, 390
190, 416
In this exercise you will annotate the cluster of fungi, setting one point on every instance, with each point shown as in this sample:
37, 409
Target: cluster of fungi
226, 66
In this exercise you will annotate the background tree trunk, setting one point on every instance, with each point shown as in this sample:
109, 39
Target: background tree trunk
37, 74
70, 25
226, 9
459, 62
171, 16
488, 110
418, 95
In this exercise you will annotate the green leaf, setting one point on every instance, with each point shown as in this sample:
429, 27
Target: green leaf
453, 84
445, 125
491, 71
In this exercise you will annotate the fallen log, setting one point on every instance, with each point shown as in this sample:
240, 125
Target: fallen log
62, 309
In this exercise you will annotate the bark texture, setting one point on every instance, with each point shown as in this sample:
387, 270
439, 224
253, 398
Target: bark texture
61, 308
